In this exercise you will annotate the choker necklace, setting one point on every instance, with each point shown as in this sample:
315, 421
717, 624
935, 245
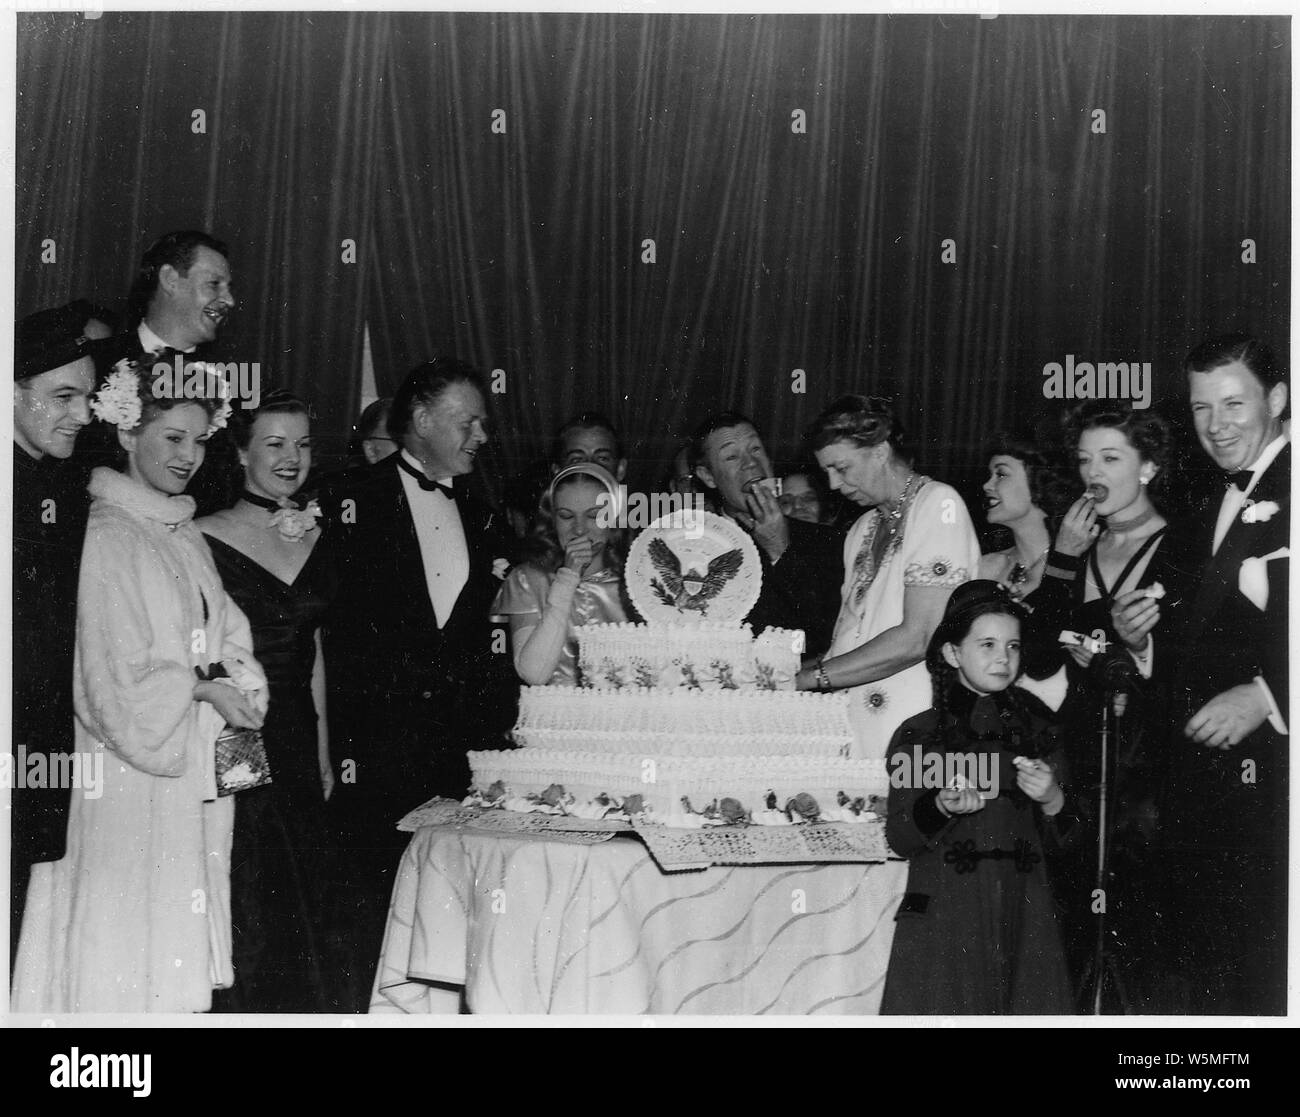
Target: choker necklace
1115, 526
269, 504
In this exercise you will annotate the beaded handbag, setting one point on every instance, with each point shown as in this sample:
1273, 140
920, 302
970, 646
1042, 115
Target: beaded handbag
241, 760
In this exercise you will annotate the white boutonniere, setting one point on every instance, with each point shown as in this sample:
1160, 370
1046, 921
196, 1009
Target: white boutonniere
500, 568
1252, 578
1260, 512
295, 523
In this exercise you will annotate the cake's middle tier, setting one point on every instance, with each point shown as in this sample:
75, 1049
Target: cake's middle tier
652, 723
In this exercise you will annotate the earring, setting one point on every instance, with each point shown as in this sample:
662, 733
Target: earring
1145, 480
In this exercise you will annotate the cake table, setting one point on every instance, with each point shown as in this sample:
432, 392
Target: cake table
532, 925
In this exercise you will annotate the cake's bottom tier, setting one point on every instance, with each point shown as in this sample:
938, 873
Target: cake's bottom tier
663, 782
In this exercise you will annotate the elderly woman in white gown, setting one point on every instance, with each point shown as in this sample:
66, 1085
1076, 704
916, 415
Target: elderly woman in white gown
136, 916
902, 559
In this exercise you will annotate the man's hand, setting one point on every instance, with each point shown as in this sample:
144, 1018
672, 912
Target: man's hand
1134, 615
1229, 718
766, 522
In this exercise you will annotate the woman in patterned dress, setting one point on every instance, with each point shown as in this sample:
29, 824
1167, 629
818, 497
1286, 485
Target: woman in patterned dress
902, 559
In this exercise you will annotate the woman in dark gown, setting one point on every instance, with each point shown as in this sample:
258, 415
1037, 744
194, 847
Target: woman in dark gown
273, 565
1112, 540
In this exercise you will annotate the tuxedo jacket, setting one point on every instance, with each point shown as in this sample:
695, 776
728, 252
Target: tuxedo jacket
802, 591
406, 698
1233, 629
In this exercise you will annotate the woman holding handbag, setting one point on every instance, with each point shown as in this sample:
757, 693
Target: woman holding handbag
136, 916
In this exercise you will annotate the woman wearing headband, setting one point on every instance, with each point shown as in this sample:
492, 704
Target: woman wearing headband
575, 576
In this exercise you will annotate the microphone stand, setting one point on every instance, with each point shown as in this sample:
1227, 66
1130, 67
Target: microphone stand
1102, 970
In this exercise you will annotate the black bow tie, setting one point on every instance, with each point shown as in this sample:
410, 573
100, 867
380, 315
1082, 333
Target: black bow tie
424, 483
1241, 478
298, 502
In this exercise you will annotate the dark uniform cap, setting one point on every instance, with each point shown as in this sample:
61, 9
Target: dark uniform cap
51, 339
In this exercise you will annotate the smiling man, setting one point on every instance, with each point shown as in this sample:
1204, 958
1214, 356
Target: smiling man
53, 377
803, 563
1223, 816
416, 675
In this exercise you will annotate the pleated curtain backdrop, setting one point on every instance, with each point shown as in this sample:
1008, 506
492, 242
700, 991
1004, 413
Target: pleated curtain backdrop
661, 216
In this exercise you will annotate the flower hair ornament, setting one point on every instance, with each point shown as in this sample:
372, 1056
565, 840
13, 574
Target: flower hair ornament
118, 400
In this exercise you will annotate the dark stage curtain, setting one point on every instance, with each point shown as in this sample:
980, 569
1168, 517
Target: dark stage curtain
775, 249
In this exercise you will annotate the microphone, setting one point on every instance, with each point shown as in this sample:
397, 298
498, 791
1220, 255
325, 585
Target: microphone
1115, 673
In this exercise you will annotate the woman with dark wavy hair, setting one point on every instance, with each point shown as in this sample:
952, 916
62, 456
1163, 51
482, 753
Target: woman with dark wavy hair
268, 551
1113, 538
1026, 495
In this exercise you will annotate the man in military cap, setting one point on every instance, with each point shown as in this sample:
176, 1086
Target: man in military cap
54, 377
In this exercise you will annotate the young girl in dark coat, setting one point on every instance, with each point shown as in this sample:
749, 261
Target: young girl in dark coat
975, 796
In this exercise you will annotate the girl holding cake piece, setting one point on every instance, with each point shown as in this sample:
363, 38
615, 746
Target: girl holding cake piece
976, 932
574, 578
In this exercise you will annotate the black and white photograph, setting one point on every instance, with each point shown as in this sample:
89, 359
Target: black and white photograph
626, 513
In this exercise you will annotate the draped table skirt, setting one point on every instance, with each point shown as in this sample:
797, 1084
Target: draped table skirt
522, 925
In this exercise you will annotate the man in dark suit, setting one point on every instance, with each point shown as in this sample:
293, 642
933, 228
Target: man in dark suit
54, 377
1223, 811
803, 563
417, 675
180, 299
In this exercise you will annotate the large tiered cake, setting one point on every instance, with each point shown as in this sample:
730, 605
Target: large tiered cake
690, 719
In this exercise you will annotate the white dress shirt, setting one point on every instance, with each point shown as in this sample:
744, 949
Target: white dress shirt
441, 535
150, 342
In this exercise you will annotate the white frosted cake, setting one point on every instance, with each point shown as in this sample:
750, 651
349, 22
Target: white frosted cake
689, 720
680, 751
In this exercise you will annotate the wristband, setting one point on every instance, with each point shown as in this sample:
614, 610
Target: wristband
823, 680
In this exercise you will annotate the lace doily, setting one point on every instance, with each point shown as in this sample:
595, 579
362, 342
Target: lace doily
674, 850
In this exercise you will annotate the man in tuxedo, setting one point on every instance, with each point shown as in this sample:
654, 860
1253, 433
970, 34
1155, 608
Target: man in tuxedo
417, 675
54, 377
803, 564
179, 301
1223, 811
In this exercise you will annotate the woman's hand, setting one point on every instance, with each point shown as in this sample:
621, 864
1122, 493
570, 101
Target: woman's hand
959, 800
1079, 527
1134, 614
577, 555
1081, 654
233, 705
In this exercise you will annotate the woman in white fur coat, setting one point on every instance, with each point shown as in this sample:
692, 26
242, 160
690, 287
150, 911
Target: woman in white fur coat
136, 916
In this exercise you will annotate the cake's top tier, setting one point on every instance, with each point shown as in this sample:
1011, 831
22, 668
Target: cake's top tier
702, 656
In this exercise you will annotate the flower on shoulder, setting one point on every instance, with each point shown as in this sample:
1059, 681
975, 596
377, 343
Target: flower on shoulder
876, 700
294, 523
